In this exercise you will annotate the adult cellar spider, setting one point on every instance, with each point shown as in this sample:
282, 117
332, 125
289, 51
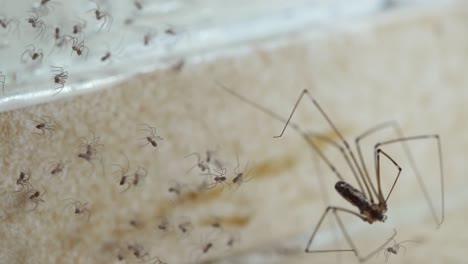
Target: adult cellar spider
368, 197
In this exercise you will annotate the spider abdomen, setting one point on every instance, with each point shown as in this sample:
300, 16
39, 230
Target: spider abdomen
371, 212
353, 195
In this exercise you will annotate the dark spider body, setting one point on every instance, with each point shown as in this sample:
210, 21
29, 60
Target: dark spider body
370, 212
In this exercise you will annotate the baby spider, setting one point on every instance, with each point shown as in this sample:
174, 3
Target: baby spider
5, 23
239, 175
99, 14
138, 251
138, 175
57, 33
37, 24
23, 181
211, 159
219, 178
36, 197
45, 125
175, 188
216, 223
80, 208
149, 36
58, 168
164, 226
44, 6
152, 138
233, 239
185, 227
33, 53
395, 248
78, 46
123, 174
91, 148
201, 164
138, 4
202, 248
59, 77
78, 27
106, 56
207, 247
60, 40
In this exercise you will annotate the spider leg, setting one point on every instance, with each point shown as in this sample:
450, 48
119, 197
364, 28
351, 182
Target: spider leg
40, 26
110, 20
36, 204
404, 249
73, 203
28, 52
22, 187
419, 178
128, 187
86, 211
348, 239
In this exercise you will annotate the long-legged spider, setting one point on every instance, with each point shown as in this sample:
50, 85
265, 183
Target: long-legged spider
138, 175
37, 24
102, 15
80, 208
79, 26
90, 147
78, 46
202, 164
59, 77
124, 175
240, 176
33, 53
90, 154
45, 124
396, 248
369, 198
219, 177
36, 197
57, 168
6, 23
44, 6
151, 138
60, 40
23, 180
